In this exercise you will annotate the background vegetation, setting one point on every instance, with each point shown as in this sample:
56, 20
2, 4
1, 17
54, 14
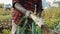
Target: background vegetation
52, 17
5, 21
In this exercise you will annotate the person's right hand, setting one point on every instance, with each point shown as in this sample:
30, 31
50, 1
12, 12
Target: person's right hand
28, 13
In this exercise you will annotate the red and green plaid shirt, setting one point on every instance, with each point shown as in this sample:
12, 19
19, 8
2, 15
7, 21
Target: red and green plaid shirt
27, 4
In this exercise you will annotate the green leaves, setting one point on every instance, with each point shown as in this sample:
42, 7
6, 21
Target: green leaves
5, 20
51, 17
5, 31
4, 15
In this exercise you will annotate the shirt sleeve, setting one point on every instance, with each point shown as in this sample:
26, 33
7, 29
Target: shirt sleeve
14, 2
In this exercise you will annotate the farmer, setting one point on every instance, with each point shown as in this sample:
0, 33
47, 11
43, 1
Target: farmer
24, 8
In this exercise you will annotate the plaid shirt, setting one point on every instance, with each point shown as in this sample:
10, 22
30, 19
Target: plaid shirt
27, 4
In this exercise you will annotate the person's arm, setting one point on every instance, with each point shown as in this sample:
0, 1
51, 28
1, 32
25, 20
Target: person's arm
22, 9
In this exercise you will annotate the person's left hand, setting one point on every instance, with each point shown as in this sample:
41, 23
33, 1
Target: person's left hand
37, 20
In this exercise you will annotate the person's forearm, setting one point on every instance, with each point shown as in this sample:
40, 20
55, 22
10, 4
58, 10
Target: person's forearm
20, 8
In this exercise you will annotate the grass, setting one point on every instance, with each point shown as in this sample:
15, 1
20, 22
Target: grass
5, 15
51, 17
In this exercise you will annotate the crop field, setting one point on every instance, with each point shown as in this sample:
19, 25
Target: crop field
5, 21
52, 18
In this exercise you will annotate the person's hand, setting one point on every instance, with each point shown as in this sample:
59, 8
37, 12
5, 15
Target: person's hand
37, 20
28, 13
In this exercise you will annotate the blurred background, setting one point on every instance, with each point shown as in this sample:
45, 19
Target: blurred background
5, 16
51, 15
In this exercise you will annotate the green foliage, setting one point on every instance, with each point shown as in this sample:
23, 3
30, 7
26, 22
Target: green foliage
57, 27
5, 31
51, 17
5, 17
39, 30
2, 12
1, 7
